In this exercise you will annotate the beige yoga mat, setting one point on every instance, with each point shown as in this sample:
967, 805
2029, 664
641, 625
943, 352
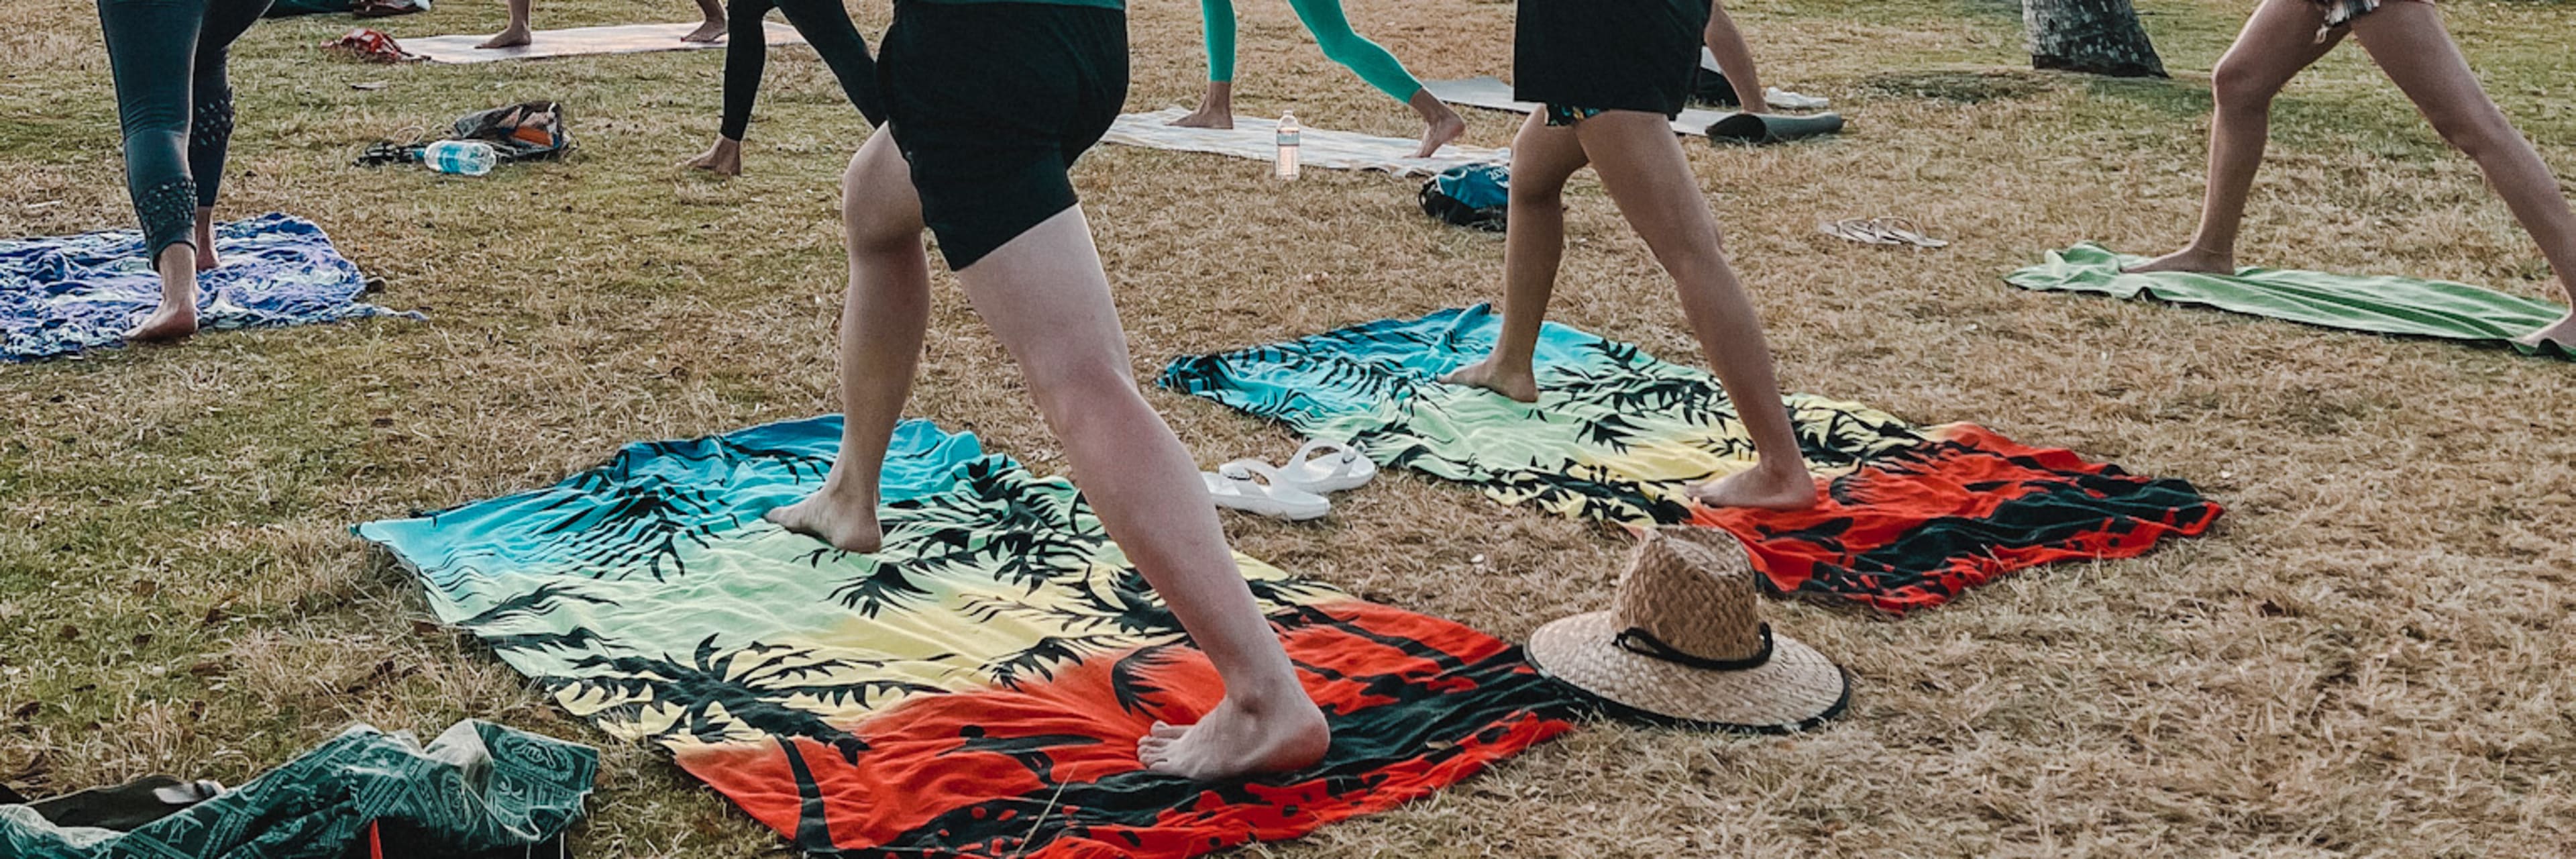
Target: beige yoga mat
619, 39
1492, 93
1317, 148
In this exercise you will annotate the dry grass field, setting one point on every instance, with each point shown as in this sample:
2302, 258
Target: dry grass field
2368, 658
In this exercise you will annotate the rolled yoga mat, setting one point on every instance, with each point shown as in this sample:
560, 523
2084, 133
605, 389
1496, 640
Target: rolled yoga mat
1762, 128
577, 41
2381, 304
1493, 94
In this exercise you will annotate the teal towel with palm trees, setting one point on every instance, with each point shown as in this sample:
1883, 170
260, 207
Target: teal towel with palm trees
976, 688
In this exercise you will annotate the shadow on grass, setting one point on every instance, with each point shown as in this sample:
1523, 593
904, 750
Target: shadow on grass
1962, 86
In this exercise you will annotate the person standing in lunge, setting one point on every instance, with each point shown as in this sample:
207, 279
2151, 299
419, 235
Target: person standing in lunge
825, 24
988, 104
174, 99
2406, 38
1610, 75
1333, 33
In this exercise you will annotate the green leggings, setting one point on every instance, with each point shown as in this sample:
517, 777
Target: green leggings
174, 103
1332, 31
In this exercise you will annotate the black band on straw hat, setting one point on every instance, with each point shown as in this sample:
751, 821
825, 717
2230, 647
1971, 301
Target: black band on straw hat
1637, 640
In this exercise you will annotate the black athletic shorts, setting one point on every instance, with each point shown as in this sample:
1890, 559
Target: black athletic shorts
1596, 55
991, 103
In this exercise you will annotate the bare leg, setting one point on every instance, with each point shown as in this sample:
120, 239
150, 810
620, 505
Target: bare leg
723, 159
1216, 108
1046, 297
206, 260
713, 28
1543, 158
176, 318
2411, 45
517, 33
1643, 167
1439, 124
882, 324
2278, 42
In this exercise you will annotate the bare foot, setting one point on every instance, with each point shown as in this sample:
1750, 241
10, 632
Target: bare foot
834, 516
1216, 108
2188, 260
1439, 124
510, 38
1760, 488
2561, 334
708, 32
1520, 384
1204, 118
1234, 741
722, 159
172, 321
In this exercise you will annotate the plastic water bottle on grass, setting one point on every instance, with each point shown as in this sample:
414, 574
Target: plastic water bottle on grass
1288, 145
460, 157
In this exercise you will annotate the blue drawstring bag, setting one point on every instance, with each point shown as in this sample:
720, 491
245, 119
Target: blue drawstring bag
1470, 195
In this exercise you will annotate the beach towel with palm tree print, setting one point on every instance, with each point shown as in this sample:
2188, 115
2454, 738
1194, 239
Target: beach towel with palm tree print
1912, 516
975, 689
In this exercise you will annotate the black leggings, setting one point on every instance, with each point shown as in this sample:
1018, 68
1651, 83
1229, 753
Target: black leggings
824, 24
175, 104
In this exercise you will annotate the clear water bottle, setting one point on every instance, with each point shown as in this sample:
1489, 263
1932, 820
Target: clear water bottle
460, 157
1288, 145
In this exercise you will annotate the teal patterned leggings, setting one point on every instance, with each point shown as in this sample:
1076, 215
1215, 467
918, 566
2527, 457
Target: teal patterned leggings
174, 103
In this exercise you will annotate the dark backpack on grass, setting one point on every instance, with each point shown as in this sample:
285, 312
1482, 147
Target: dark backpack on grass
527, 131
1470, 195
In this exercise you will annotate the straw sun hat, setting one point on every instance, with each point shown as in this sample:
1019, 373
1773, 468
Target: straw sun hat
1686, 643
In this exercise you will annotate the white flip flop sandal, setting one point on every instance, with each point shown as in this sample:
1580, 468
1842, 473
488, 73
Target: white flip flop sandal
1252, 486
1328, 466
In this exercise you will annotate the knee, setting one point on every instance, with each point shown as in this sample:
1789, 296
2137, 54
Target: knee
1344, 47
871, 231
871, 226
1538, 196
2238, 85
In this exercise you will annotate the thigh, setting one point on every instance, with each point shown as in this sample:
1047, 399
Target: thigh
1643, 167
1544, 156
226, 21
2411, 45
151, 55
2282, 38
1047, 299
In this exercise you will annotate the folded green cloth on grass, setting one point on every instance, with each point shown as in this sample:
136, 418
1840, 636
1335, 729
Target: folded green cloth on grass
2385, 304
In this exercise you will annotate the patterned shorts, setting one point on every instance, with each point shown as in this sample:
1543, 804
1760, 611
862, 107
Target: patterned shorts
1561, 115
2341, 12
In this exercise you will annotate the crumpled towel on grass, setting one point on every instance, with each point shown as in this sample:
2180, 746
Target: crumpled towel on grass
2382, 304
68, 294
478, 787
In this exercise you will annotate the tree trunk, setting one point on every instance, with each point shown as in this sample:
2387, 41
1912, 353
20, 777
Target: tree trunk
2097, 36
